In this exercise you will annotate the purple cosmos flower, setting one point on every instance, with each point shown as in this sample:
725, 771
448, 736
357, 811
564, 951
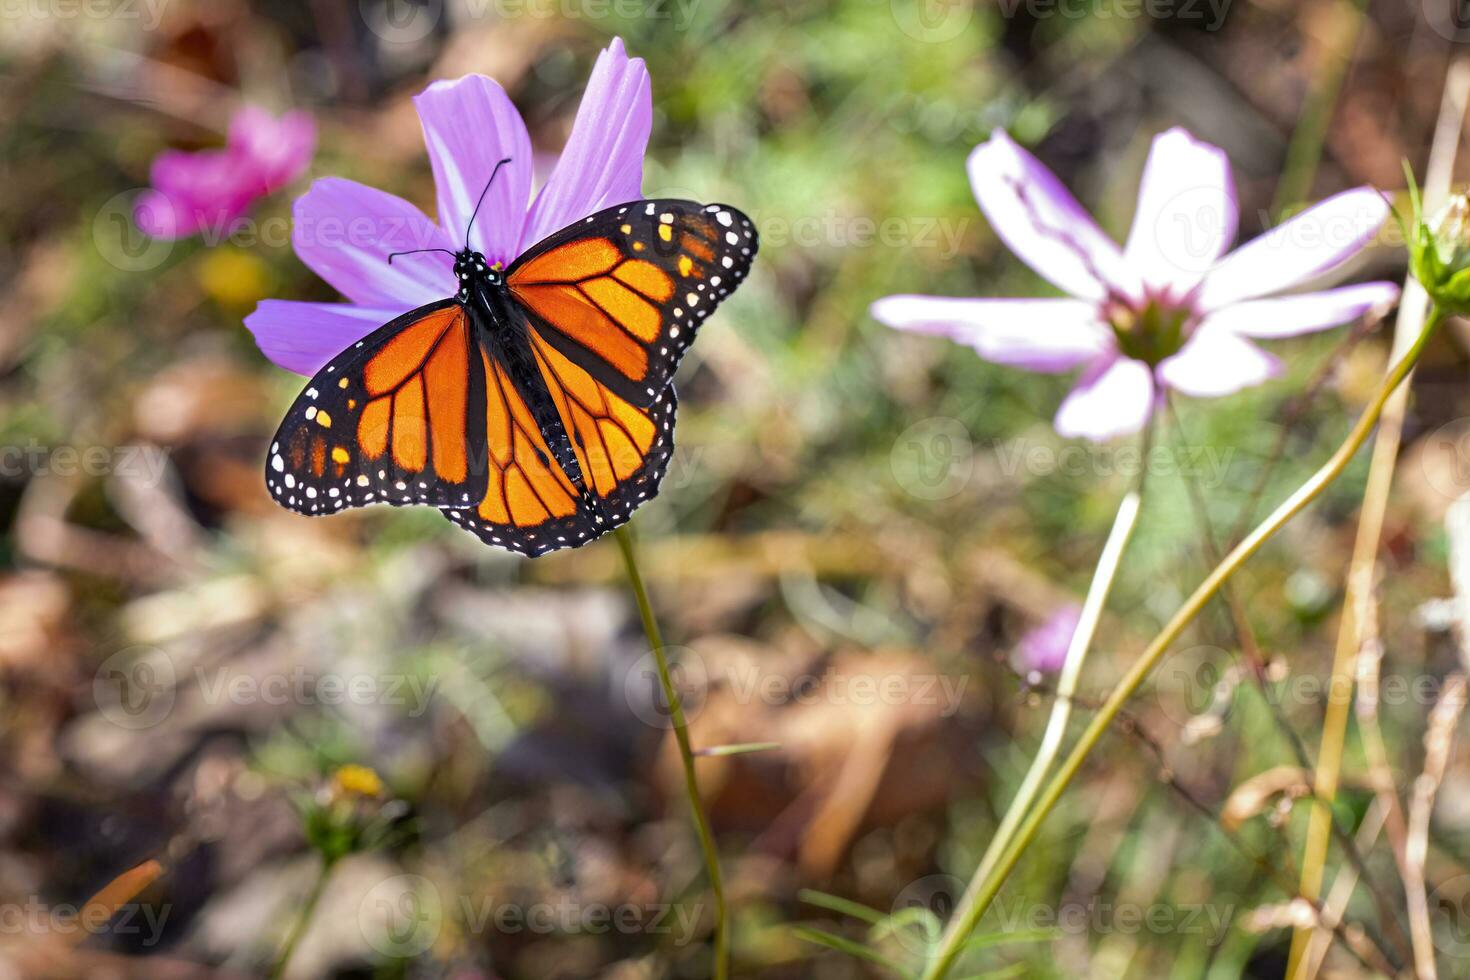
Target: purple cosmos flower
1044, 648
1168, 310
207, 191
344, 231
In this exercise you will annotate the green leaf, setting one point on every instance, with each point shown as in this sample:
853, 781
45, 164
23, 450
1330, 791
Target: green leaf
1004, 973
933, 928
843, 906
991, 939
740, 748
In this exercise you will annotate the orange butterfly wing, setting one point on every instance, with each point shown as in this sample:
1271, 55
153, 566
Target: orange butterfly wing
530, 505
609, 306
622, 294
395, 419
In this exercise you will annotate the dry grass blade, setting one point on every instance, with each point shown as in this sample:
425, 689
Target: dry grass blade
1439, 739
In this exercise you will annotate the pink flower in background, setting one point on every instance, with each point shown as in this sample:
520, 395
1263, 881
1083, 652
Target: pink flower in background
344, 231
1044, 648
1168, 310
208, 190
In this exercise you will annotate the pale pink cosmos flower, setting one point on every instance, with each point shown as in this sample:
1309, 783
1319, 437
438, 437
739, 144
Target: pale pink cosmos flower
1170, 309
206, 191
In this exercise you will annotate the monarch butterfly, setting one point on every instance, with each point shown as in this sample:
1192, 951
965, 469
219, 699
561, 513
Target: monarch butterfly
534, 407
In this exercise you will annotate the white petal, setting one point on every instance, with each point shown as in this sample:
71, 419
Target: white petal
1115, 398
1302, 248
1289, 316
1042, 222
1035, 334
1187, 213
1217, 362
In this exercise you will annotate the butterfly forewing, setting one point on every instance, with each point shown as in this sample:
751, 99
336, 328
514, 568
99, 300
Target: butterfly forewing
622, 293
398, 418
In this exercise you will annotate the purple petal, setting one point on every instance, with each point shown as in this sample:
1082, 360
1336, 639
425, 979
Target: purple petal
1289, 316
1300, 249
1187, 213
470, 125
1217, 362
1043, 224
602, 163
193, 192
1114, 398
344, 232
303, 337
277, 150
1035, 334
1044, 648
160, 216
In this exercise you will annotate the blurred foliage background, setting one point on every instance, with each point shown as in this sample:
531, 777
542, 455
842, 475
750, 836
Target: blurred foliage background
178, 657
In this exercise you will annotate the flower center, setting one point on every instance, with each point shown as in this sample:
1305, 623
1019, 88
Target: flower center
1150, 332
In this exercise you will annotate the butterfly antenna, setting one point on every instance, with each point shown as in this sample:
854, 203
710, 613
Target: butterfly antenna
482, 200
415, 251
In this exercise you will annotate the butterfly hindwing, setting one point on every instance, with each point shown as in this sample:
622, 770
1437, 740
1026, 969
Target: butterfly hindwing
531, 504
397, 418
622, 293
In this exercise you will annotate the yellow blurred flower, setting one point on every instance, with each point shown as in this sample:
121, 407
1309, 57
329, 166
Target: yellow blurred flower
232, 277
354, 780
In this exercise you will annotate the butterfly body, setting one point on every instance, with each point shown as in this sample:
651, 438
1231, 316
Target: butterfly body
489, 305
534, 406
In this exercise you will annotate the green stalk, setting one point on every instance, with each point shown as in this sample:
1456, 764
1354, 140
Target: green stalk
1134, 678
1061, 711
303, 919
686, 753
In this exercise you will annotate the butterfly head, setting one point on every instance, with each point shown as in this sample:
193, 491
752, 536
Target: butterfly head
470, 267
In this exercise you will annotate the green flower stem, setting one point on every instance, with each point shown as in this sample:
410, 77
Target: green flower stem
985, 893
303, 919
1061, 711
686, 753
